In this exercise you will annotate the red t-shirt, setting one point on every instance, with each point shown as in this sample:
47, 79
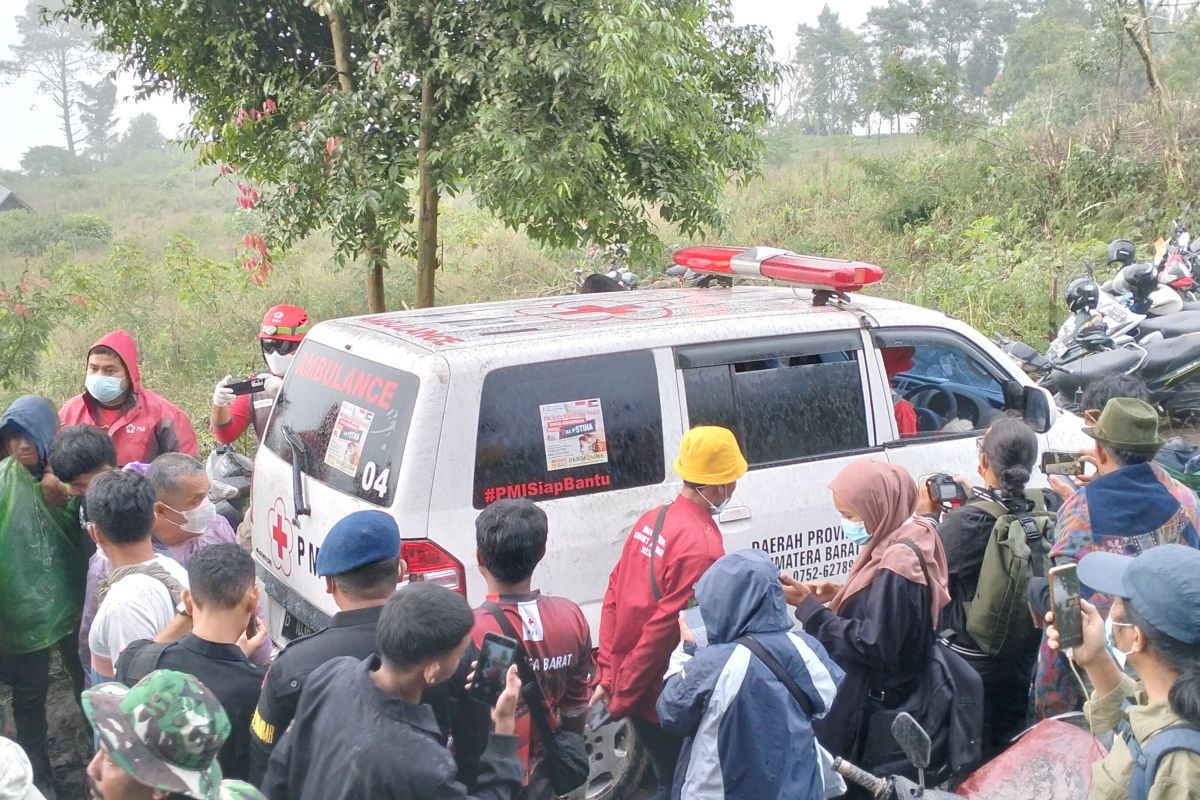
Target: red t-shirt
557, 639
637, 631
906, 418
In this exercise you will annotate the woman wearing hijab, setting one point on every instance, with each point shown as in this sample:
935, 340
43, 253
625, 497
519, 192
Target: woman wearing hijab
879, 625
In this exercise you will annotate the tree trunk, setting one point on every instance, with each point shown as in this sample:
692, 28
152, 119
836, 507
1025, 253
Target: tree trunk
1139, 33
427, 215
376, 257
64, 105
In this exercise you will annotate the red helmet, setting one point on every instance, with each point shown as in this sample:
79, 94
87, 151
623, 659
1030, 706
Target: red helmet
287, 323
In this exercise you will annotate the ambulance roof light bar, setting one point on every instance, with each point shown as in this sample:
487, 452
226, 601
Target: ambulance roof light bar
828, 277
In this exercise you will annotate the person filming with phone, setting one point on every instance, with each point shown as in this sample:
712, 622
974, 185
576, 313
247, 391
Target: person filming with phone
236, 405
1000, 522
1153, 628
1130, 506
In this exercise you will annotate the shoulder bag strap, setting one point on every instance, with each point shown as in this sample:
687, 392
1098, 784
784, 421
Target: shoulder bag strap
925, 569
141, 662
773, 664
1146, 757
654, 537
530, 688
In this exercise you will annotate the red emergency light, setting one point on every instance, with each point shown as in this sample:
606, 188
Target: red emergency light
810, 272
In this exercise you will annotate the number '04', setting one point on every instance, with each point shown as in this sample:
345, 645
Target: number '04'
375, 483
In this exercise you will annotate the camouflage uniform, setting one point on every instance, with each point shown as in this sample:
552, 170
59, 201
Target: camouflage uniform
165, 732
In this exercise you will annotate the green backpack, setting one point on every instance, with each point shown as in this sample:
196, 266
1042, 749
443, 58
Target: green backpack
997, 617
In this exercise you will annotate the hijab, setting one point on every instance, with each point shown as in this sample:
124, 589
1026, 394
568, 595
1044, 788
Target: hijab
885, 496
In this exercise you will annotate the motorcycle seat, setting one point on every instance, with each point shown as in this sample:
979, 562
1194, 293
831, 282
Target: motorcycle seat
1171, 354
1172, 325
1082, 373
1191, 305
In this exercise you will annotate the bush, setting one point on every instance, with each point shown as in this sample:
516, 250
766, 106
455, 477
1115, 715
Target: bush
31, 235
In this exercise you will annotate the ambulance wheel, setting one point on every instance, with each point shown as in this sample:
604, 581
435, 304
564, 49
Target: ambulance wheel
618, 763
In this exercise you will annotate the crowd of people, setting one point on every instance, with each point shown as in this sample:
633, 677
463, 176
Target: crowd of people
738, 681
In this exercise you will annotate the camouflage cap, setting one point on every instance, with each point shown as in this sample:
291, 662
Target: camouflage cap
165, 731
239, 790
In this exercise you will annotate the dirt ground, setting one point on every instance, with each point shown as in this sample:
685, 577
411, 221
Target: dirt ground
70, 748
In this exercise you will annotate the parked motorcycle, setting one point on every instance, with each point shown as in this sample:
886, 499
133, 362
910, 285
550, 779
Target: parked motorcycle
229, 475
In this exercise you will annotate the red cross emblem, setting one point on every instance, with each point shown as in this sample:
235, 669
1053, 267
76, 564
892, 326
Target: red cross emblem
591, 311
281, 537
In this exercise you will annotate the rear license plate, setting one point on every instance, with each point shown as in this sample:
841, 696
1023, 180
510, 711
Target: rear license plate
293, 628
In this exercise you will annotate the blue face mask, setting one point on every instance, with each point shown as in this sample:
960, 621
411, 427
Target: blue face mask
104, 388
855, 531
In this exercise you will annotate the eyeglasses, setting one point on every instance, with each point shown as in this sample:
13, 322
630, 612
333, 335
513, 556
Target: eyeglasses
281, 346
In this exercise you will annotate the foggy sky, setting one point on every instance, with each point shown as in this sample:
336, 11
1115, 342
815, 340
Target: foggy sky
28, 119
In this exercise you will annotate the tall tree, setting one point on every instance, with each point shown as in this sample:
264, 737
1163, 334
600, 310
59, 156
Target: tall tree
97, 112
832, 68
1135, 17
571, 119
60, 55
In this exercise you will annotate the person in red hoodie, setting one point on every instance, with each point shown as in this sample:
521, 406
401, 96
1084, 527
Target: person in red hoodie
667, 551
141, 424
895, 361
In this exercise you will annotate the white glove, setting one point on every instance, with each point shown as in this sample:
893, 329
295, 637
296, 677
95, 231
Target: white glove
223, 396
272, 386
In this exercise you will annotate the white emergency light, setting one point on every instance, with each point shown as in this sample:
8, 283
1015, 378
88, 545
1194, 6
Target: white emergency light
828, 276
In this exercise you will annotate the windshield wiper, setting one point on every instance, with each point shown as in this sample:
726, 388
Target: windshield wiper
299, 462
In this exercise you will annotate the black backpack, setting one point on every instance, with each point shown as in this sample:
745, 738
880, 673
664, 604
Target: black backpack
136, 663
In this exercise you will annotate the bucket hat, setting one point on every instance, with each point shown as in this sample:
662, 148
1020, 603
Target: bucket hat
709, 456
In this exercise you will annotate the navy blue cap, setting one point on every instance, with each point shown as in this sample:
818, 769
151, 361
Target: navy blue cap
1163, 583
361, 538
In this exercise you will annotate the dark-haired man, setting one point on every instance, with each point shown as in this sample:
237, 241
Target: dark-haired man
78, 454
360, 562
221, 599
142, 592
510, 541
362, 731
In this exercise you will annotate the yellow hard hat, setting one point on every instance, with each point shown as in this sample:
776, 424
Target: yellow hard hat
710, 456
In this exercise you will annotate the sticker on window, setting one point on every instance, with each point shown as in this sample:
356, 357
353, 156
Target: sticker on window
574, 434
348, 438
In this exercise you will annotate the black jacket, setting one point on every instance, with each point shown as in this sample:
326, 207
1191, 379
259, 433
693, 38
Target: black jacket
352, 633
350, 740
230, 676
882, 639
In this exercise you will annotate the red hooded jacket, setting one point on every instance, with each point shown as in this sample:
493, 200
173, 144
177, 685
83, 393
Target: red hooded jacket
638, 632
149, 424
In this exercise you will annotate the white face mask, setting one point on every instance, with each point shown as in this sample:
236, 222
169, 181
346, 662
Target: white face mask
1111, 641
197, 520
278, 364
715, 509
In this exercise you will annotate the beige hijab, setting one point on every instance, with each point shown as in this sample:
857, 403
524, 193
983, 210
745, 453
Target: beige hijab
885, 496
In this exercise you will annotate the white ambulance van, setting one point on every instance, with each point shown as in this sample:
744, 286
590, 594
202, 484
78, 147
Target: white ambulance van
578, 403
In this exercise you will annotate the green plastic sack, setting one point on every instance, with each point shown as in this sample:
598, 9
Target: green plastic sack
43, 566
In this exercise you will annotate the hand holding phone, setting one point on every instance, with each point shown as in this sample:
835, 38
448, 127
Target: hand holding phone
496, 655
1061, 462
249, 386
1064, 602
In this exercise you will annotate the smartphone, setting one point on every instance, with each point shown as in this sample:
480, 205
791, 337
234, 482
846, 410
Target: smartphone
252, 627
1064, 602
495, 657
248, 386
1061, 462
948, 492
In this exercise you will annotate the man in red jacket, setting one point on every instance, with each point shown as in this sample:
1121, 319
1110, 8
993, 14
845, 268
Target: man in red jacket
140, 423
666, 553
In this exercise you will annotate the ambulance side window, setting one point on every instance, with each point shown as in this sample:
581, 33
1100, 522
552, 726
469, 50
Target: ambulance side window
569, 428
786, 399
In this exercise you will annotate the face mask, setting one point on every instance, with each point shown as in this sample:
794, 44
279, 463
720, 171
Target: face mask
716, 509
197, 520
855, 531
278, 364
104, 388
1111, 642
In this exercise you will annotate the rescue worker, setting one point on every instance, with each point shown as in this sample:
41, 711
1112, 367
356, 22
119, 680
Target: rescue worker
283, 328
667, 551
895, 361
141, 423
360, 563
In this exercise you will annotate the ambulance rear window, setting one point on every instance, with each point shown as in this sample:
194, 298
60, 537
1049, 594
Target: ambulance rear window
351, 416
